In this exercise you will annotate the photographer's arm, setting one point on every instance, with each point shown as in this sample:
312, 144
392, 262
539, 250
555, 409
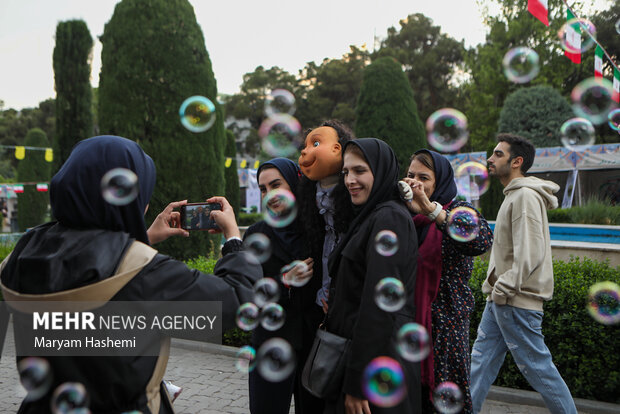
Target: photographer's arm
167, 224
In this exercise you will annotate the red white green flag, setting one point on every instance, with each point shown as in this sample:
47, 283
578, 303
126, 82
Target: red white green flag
18, 188
539, 9
573, 39
42, 187
616, 93
598, 62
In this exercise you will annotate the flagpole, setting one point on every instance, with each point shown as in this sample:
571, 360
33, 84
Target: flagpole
593, 38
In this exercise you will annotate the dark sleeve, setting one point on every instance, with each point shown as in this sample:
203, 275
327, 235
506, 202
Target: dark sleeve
166, 279
477, 246
374, 329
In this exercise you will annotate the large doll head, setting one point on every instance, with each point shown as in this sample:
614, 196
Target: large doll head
322, 152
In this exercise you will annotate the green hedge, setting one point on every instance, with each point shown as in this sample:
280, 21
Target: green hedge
247, 219
586, 353
593, 212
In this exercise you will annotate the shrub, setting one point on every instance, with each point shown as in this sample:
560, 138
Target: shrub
595, 211
247, 219
32, 204
586, 353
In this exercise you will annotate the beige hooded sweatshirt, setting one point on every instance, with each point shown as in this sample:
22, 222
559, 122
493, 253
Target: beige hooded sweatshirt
520, 270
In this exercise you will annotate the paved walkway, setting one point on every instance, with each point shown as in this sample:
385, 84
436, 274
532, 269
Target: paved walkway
210, 382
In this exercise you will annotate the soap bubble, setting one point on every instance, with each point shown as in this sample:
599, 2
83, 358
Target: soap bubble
604, 302
386, 243
248, 316
36, 377
294, 272
275, 360
592, 99
390, 294
521, 64
574, 36
246, 359
280, 135
197, 113
119, 186
280, 101
447, 130
413, 342
613, 118
69, 397
472, 179
383, 382
577, 134
463, 224
279, 208
258, 246
272, 317
448, 398
266, 290
618, 26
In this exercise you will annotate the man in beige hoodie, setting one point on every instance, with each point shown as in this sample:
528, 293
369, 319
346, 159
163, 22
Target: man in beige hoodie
519, 280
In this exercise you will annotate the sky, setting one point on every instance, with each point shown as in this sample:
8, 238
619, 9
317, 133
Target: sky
239, 35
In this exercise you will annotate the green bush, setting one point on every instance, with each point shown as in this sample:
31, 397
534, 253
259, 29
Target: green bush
586, 353
247, 219
595, 211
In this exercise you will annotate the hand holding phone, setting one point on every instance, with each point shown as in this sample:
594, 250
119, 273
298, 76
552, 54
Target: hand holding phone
197, 216
225, 218
167, 224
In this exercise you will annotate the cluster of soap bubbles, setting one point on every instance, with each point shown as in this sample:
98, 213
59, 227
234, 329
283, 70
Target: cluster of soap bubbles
280, 132
36, 377
279, 208
604, 303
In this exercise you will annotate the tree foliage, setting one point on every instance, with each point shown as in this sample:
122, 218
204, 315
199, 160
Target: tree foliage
72, 56
430, 60
535, 113
230, 174
32, 204
153, 58
386, 109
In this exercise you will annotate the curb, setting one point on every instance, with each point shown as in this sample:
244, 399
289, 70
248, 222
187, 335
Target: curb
501, 394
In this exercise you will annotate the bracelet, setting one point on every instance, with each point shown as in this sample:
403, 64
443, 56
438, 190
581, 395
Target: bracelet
442, 226
433, 215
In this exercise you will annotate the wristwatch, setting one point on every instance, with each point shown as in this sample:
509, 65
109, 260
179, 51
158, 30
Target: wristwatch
433, 215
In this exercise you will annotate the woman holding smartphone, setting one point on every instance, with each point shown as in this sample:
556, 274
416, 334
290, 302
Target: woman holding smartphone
302, 314
370, 174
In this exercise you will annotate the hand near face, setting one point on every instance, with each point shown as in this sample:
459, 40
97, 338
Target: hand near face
420, 202
167, 224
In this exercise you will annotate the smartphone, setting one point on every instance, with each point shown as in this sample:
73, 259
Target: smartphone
196, 216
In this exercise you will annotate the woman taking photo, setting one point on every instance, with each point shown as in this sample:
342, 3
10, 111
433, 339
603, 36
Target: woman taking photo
370, 174
443, 298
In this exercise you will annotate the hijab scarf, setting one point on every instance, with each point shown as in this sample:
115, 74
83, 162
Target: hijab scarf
75, 190
384, 166
429, 254
289, 238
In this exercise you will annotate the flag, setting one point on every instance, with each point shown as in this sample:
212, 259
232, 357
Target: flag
573, 38
539, 9
616, 94
243, 163
42, 187
598, 62
20, 153
18, 188
256, 164
49, 155
228, 162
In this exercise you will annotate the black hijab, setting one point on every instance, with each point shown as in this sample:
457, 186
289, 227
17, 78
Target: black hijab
384, 166
445, 187
75, 190
289, 238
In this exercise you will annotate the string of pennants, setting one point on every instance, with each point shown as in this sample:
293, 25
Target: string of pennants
20, 151
540, 10
19, 187
243, 163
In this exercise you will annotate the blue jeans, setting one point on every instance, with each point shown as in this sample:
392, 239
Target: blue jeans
504, 328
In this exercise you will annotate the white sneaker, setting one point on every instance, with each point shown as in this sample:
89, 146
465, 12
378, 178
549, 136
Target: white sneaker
173, 390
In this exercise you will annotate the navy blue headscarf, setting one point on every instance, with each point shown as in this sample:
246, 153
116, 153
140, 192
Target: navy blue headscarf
75, 190
445, 186
289, 237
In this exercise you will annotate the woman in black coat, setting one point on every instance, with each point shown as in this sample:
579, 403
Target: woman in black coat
370, 174
302, 314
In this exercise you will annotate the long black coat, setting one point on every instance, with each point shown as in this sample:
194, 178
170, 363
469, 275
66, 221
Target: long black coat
353, 312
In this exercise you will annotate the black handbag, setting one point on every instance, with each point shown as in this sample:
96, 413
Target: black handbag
323, 373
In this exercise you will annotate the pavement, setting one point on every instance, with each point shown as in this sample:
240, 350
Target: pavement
212, 385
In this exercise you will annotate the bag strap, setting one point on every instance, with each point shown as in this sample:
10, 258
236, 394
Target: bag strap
135, 258
153, 387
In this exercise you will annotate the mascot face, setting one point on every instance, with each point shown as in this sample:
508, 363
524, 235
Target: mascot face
322, 155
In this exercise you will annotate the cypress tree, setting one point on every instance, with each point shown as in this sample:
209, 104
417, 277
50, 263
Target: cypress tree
72, 55
232, 178
153, 58
32, 204
535, 113
387, 110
